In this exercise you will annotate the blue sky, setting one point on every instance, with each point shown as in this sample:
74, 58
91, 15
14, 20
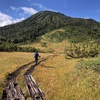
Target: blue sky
12, 11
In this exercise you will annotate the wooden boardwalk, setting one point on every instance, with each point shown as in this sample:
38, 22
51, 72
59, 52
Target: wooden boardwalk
13, 91
33, 89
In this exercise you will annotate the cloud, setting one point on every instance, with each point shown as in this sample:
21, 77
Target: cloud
28, 10
42, 7
21, 11
6, 19
14, 8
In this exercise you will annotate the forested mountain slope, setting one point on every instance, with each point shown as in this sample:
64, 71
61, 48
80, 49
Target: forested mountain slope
46, 21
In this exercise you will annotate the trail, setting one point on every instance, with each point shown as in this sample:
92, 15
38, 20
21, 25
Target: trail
12, 89
11, 86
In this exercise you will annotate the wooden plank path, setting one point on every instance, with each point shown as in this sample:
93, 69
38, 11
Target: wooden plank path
33, 89
13, 91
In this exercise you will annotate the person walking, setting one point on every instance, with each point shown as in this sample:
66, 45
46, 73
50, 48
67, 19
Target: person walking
36, 56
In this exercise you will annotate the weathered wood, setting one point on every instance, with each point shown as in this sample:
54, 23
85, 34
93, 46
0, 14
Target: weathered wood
33, 89
13, 92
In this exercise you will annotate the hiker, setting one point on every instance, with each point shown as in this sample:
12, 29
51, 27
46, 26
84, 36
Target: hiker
36, 56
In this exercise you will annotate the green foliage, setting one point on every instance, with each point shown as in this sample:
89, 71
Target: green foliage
90, 64
12, 47
29, 30
55, 37
81, 51
8, 47
26, 49
74, 34
33, 27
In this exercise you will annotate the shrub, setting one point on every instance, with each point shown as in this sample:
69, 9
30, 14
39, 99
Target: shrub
12, 47
8, 47
85, 50
91, 64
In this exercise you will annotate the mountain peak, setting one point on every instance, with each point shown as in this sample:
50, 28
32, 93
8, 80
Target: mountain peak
41, 23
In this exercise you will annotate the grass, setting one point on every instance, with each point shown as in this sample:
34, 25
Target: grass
94, 65
9, 62
59, 78
84, 80
55, 47
65, 80
52, 81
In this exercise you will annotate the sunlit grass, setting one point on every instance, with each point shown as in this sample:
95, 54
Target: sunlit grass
84, 80
55, 47
57, 77
51, 76
10, 61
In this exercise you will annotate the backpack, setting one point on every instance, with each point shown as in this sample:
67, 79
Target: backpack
35, 55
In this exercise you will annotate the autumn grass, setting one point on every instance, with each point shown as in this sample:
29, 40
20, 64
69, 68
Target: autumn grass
9, 62
84, 80
54, 47
71, 79
53, 81
58, 77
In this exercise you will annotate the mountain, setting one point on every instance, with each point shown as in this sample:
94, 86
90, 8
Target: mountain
46, 21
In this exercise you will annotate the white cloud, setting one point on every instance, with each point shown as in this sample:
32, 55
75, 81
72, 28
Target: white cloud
14, 8
6, 19
29, 10
26, 10
42, 7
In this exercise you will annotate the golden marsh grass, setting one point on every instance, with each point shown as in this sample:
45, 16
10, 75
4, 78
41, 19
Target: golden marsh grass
56, 76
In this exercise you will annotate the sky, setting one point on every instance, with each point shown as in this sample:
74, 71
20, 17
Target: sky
12, 11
